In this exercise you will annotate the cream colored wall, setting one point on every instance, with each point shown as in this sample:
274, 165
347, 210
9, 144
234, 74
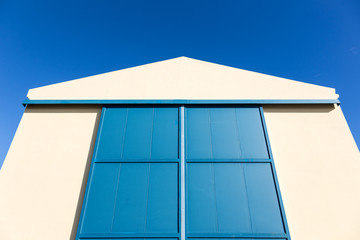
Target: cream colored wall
318, 168
316, 158
182, 78
41, 181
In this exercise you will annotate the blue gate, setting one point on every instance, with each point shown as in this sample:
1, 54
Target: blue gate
229, 181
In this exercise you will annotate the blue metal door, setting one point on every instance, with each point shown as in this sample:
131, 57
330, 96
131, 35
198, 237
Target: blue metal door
134, 186
231, 189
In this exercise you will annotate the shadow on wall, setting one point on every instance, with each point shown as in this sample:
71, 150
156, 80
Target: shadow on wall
295, 108
84, 180
73, 108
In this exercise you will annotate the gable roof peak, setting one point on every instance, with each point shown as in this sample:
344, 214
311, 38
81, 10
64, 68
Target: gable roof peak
181, 78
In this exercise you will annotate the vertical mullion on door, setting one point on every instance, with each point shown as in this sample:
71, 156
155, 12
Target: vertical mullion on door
182, 173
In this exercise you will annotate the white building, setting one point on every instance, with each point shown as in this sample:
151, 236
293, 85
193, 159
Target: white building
181, 149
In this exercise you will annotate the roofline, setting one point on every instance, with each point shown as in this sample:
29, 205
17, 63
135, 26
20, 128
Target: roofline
184, 101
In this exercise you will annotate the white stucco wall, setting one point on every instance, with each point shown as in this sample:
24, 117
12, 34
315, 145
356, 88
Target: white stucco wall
318, 168
182, 78
42, 176
316, 158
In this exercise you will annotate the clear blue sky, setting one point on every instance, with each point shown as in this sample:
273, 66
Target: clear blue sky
46, 42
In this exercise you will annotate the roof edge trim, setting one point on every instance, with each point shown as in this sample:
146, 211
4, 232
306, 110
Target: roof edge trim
183, 101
